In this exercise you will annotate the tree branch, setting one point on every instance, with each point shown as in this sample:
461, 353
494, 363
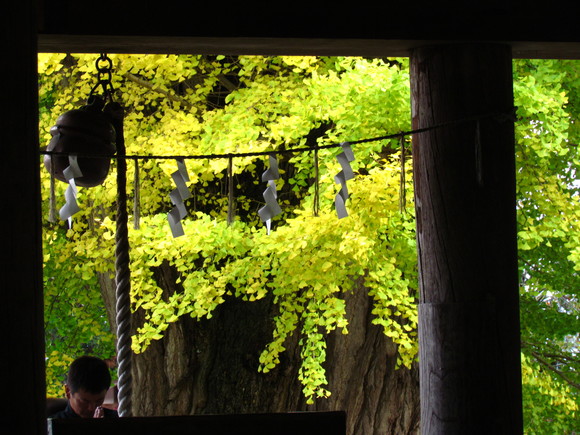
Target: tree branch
549, 366
150, 86
226, 83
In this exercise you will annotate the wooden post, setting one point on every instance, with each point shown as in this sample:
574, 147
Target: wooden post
21, 307
466, 233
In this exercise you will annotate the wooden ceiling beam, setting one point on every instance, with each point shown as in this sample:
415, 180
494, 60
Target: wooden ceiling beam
53, 43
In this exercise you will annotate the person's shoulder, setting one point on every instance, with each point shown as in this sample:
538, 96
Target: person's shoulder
110, 413
65, 413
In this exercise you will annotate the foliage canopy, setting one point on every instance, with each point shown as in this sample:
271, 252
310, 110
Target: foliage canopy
208, 105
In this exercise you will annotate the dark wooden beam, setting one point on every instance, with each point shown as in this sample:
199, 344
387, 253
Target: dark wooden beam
21, 309
304, 28
105, 43
466, 232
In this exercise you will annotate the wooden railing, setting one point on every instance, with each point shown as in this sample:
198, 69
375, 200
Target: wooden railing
294, 423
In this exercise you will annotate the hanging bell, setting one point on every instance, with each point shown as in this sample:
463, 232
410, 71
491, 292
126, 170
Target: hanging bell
87, 133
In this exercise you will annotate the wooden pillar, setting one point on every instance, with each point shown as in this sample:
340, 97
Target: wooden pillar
21, 307
466, 234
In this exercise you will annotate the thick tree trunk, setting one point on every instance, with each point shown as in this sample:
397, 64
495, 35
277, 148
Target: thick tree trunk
466, 231
211, 367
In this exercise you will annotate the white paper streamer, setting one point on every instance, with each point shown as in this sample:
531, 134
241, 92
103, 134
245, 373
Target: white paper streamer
271, 208
178, 196
71, 206
344, 158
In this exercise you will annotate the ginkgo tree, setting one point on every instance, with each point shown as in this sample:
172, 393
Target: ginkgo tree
206, 107
546, 96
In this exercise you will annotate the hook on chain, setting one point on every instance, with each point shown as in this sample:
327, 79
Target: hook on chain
104, 66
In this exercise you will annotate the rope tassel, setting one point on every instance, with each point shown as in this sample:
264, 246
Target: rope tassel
316, 202
231, 214
136, 197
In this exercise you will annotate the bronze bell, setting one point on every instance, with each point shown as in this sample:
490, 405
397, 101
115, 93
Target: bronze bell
88, 133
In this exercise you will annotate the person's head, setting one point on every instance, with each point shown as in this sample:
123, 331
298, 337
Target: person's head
87, 383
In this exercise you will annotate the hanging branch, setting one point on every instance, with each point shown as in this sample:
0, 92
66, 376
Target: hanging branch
316, 206
402, 186
136, 197
231, 215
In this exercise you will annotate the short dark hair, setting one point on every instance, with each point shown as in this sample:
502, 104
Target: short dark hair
90, 374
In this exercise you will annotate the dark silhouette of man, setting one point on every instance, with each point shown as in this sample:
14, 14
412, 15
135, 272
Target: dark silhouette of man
86, 386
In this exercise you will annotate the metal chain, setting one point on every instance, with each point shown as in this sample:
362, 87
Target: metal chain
104, 66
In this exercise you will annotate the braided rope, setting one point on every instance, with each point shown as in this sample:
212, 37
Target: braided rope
123, 273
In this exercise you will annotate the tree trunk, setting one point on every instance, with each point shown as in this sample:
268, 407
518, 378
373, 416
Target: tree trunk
211, 367
108, 287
